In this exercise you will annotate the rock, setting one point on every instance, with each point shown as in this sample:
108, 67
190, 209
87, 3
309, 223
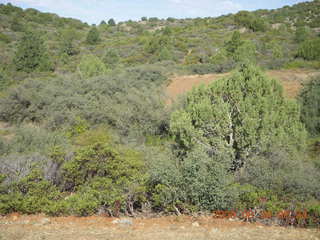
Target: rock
15, 218
195, 224
122, 221
44, 221
214, 231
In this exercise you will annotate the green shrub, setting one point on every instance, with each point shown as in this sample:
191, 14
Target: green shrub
309, 50
249, 20
106, 172
198, 182
283, 174
93, 36
67, 45
91, 66
31, 194
4, 38
111, 58
31, 54
309, 99
301, 34
239, 116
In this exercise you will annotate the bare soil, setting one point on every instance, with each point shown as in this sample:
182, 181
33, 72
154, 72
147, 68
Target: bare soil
291, 80
16, 227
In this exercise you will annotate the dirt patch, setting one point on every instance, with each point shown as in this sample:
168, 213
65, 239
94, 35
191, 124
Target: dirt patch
16, 227
291, 79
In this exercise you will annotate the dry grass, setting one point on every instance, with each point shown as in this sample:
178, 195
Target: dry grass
167, 228
291, 79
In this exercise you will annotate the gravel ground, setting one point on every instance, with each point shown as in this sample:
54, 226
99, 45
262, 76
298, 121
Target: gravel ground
166, 228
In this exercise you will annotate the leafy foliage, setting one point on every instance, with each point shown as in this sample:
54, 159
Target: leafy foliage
310, 49
309, 99
238, 116
31, 54
91, 66
93, 36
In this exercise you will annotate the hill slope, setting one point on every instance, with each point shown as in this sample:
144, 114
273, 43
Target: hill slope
291, 80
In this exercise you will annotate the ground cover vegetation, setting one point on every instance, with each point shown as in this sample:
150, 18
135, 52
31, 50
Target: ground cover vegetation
85, 128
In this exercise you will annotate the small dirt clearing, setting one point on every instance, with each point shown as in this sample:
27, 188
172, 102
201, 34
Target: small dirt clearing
15, 227
291, 80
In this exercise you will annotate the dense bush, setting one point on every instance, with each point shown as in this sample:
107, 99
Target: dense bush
4, 38
282, 174
309, 99
31, 54
128, 100
249, 20
91, 66
198, 182
93, 36
310, 49
238, 116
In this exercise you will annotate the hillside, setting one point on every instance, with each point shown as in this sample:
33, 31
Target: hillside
291, 80
189, 45
86, 128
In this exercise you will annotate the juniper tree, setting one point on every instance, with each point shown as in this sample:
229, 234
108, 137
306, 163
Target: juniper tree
32, 54
93, 36
309, 99
238, 116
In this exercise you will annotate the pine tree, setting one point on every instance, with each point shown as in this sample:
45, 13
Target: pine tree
309, 99
93, 36
32, 54
111, 22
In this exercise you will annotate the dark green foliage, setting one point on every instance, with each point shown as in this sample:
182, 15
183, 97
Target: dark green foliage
310, 49
106, 174
226, 146
309, 99
103, 22
234, 44
30, 195
111, 22
302, 34
198, 182
249, 20
93, 36
4, 81
238, 116
16, 25
31, 54
4, 38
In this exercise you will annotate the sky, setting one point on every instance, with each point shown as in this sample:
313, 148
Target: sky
93, 11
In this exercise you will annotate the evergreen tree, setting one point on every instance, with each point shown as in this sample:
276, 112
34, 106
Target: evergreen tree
32, 54
234, 43
93, 36
242, 115
309, 99
111, 22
